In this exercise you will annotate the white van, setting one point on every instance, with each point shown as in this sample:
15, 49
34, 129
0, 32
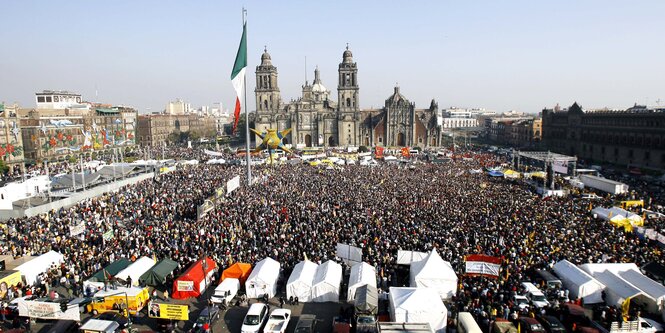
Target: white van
255, 319
466, 323
535, 296
225, 291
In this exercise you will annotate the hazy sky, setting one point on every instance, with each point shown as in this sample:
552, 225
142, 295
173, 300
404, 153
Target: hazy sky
500, 55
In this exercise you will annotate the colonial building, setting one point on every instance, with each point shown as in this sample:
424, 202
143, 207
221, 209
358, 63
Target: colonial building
317, 120
631, 137
154, 129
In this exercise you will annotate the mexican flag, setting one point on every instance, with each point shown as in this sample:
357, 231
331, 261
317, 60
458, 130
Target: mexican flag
238, 75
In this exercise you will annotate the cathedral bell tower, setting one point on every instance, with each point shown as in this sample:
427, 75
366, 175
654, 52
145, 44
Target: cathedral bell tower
348, 106
267, 91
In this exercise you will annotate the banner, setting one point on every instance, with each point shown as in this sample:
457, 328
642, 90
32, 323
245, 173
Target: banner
378, 152
185, 286
77, 229
560, 167
212, 153
168, 311
232, 184
47, 310
478, 264
406, 152
108, 235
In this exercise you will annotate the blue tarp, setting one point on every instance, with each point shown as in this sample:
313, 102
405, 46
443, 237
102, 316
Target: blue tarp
494, 173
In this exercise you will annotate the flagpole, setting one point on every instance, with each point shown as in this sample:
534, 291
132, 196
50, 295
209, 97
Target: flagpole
247, 155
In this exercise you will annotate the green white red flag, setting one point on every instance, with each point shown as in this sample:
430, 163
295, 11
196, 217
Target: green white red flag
238, 75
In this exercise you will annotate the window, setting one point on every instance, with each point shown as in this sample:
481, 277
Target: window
48, 99
348, 101
647, 155
40, 99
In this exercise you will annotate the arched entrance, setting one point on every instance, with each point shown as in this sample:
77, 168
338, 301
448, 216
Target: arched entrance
331, 141
401, 140
308, 140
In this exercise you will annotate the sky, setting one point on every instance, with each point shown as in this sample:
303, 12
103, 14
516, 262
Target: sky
498, 55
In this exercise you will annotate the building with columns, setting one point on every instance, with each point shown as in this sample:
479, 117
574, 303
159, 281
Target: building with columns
317, 120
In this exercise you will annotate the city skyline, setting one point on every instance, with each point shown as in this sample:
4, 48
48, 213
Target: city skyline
509, 56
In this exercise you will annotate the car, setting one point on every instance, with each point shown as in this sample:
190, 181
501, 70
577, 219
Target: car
529, 325
111, 316
650, 326
206, 318
165, 325
61, 326
551, 324
306, 324
278, 321
521, 302
255, 319
341, 325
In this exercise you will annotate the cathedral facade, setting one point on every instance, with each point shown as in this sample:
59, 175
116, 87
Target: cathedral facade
317, 120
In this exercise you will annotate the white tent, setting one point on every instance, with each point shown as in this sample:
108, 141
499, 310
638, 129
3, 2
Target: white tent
263, 279
648, 286
136, 269
41, 264
418, 305
326, 283
580, 283
618, 290
612, 267
617, 214
434, 272
361, 274
300, 281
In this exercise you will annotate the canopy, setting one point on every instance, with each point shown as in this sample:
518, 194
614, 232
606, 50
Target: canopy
194, 280
655, 270
135, 270
648, 286
418, 305
361, 274
434, 272
618, 290
31, 269
156, 275
366, 299
300, 281
238, 271
327, 281
612, 267
580, 283
98, 279
511, 174
619, 217
263, 279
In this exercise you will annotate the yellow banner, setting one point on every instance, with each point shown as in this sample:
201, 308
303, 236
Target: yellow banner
168, 311
10, 280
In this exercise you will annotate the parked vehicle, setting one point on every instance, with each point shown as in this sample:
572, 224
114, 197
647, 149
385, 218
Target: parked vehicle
61, 326
206, 318
110, 316
547, 280
306, 324
552, 324
366, 307
341, 325
530, 325
278, 321
255, 319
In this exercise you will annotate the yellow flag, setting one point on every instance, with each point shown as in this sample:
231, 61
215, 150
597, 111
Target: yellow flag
625, 307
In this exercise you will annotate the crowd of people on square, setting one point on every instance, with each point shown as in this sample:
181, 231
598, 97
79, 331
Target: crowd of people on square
295, 211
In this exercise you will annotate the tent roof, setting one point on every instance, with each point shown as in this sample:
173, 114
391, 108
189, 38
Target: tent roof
612, 267
618, 285
157, 274
239, 270
367, 299
45, 260
655, 269
568, 271
329, 272
433, 267
304, 271
647, 285
141, 265
266, 270
416, 300
112, 269
133, 291
362, 273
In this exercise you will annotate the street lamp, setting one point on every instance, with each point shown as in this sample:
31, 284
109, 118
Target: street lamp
204, 266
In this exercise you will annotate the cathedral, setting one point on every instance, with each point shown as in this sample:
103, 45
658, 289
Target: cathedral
317, 120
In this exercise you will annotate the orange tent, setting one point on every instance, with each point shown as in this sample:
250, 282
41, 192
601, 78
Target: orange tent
238, 271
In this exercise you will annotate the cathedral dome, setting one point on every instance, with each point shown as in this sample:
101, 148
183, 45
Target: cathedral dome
318, 86
265, 57
347, 55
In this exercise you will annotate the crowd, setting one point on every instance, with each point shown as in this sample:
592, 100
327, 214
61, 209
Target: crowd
297, 210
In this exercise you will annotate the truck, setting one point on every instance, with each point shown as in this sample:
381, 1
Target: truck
604, 184
278, 321
366, 307
389, 327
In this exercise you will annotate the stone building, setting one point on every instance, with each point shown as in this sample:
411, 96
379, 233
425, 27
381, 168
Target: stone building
154, 129
11, 140
317, 120
631, 137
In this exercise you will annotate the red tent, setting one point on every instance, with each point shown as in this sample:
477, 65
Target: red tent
238, 271
192, 282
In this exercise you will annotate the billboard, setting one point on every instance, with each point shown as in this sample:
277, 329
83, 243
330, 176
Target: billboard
185, 285
168, 311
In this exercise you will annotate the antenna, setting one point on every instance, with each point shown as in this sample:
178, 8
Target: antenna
305, 69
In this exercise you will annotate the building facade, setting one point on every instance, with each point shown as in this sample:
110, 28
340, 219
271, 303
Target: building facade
11, 140
317, 120
154, 129
631, 137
